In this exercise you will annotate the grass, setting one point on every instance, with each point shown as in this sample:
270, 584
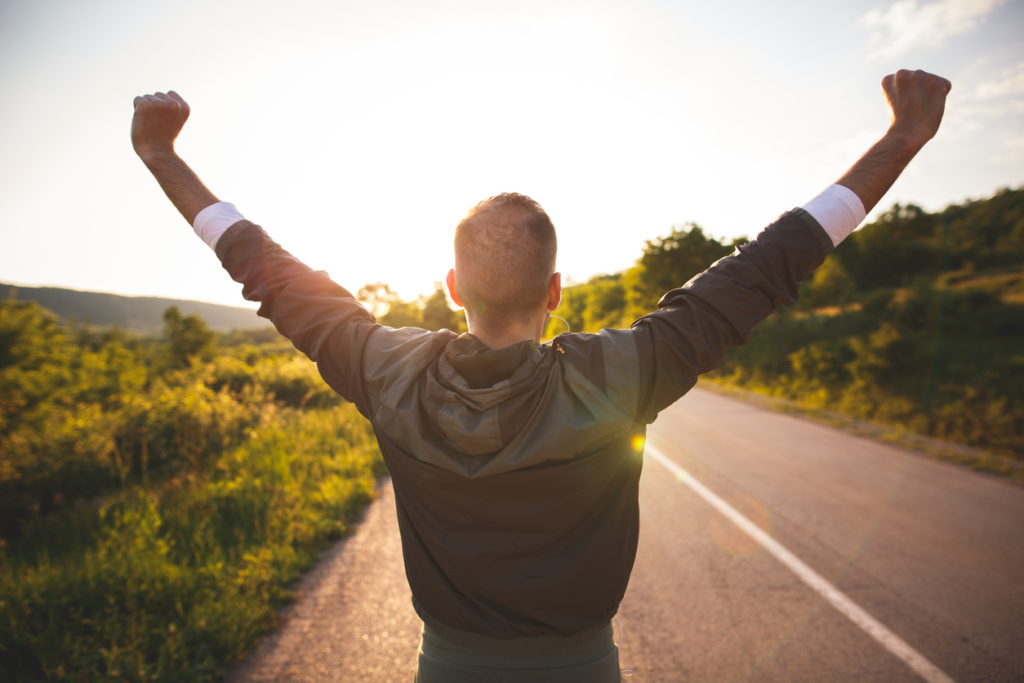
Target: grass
977, 459
173, 582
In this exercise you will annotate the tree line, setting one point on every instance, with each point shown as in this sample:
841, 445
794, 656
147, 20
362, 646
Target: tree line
915, 320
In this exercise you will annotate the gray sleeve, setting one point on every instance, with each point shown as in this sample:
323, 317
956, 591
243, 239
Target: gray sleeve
688, 334
321, 318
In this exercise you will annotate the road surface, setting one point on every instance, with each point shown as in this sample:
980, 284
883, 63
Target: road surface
930, 556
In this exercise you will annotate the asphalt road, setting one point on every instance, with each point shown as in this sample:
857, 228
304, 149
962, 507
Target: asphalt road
933, 552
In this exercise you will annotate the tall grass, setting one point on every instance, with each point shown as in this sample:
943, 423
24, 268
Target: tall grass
154, 510
174, 581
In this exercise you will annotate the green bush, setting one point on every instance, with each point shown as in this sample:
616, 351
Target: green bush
155, 513
174, 582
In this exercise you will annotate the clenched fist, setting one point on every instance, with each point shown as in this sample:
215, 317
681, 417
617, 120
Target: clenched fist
157, 121
916, 102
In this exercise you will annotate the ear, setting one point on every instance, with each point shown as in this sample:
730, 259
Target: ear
450, 281
555, 291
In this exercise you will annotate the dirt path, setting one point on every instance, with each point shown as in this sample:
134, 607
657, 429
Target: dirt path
352, 618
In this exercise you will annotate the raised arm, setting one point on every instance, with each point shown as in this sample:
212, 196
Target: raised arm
916, 102
321, 318
695, 323
157, 121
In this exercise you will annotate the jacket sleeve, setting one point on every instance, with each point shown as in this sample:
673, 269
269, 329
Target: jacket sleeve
321, 318
688, 334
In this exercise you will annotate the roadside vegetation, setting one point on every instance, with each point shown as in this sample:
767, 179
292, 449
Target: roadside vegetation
914, 323
159, 496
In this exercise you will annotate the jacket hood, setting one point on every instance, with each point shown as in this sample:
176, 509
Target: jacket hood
481, 395
454, 403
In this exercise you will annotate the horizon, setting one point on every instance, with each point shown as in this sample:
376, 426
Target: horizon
250, 305
359, 135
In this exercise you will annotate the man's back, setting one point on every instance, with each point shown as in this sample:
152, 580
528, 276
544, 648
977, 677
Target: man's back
516, 469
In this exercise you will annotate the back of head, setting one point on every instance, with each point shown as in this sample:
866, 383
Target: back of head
504, 258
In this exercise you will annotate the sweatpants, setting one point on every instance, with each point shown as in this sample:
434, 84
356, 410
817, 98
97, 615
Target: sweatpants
450, 656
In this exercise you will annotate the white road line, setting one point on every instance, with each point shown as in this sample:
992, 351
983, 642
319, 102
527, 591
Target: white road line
847, 607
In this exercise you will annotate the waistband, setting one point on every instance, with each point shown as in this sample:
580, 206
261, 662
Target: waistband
592, 642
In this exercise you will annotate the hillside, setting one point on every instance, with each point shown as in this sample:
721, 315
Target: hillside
914, 322
159, 498
139, 314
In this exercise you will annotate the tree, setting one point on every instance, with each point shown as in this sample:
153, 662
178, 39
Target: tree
437, 314
830, 285
377, 297
606, 305
35, 357
186, 336
573, 309
669, 262
429, 312
901, 244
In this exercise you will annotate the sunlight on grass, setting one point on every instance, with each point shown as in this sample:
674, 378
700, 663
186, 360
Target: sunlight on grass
155, 513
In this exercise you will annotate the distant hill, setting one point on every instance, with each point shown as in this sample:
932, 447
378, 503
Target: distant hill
140, 314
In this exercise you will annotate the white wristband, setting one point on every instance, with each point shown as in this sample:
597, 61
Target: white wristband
838, 210
214, 220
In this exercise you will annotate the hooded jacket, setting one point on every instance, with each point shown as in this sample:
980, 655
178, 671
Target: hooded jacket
516, 470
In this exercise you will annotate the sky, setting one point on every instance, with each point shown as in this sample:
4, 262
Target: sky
359, 133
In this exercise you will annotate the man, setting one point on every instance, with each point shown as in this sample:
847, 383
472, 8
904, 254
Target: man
515, 464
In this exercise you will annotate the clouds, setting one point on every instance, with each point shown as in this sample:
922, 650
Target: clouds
907, 25
1009, 84
998, 101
